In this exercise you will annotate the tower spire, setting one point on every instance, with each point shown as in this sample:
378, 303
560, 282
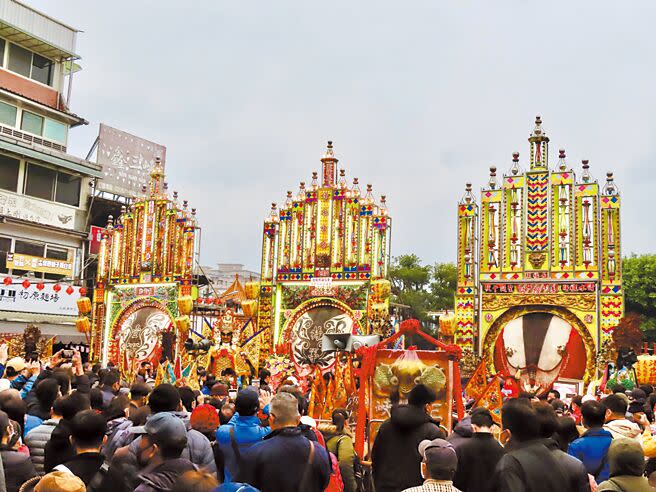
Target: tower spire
328, 167
539, 146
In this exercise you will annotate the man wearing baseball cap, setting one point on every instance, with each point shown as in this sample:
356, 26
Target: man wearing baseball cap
163, 440
438, 466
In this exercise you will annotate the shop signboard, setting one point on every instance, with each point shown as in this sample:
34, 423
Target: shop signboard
35, 210
95, 237
41, 298
127, 161
39, 264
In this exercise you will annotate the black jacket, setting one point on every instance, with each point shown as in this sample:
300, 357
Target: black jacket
58, 449
163, 477
18, 469
85, 465
528, 467
279, 461
396, 460
574, 469
461, 432
477, 458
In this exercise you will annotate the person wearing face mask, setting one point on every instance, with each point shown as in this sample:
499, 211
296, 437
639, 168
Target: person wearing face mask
163, 440
18, 467
438, 466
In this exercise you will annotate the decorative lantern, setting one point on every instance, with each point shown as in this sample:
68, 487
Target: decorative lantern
447, 325
83, 325
252, 290
185, 304
26, 284
182, 324
7, 281
70, 290
84, 305
249, 307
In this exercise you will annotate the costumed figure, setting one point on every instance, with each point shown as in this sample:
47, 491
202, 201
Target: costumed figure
226, 354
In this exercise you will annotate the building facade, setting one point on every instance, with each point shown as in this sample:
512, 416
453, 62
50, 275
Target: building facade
43, 190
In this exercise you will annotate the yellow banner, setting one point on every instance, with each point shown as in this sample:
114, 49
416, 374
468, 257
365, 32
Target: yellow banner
38, 264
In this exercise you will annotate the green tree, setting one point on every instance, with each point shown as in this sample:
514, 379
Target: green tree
443, 285
422, 287
639, 281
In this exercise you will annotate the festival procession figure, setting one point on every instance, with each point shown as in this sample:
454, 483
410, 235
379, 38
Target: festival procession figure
225, 357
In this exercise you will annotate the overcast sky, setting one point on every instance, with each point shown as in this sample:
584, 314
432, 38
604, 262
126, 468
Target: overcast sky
419, 97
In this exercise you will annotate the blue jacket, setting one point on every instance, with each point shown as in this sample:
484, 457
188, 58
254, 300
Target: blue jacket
591, 448
23, 384
248, 431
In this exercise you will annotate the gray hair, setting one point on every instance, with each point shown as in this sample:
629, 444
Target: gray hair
284, 406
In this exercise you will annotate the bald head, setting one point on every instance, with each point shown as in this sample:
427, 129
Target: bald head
284, 411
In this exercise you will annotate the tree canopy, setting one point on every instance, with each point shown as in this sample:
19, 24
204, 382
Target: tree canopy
639, 281
423, 288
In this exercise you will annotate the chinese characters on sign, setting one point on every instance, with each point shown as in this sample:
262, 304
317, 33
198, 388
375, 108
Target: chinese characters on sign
26, 208
38, 264
42, 299
546, 288
126, 160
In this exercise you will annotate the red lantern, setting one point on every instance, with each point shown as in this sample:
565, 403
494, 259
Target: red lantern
69, 290
7, 281
40, 286
83, 291
56, 287
26, 284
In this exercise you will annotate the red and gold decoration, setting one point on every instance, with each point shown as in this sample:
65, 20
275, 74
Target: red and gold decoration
325, 256
539, 269
143, 295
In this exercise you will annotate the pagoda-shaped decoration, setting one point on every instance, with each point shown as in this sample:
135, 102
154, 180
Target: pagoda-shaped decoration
143, 292
325, 257
539, 278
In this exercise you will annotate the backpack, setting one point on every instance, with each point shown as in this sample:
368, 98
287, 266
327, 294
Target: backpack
358, 471
336, 483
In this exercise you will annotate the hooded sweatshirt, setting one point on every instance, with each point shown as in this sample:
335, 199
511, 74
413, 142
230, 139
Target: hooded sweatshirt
624, 428
396, 459
461, 432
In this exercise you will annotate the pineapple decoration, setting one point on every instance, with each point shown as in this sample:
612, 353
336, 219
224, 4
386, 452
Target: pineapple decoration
82, 323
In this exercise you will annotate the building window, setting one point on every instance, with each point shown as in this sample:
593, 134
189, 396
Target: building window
9, 173
5, 247
28, 248
68, 189
7, 114
32, 123
56, 254
46, 183
30, 64
54, 130
20, 60
41, 69
40, 181
2, 52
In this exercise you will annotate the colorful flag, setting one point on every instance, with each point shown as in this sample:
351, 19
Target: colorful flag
340, 397
477, 384
492, 399
317, 395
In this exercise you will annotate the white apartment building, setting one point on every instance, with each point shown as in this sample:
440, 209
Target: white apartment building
44, 192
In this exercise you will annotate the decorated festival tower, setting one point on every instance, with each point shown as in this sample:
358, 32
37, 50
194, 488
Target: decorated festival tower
325, 257
539, 269
143, 294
